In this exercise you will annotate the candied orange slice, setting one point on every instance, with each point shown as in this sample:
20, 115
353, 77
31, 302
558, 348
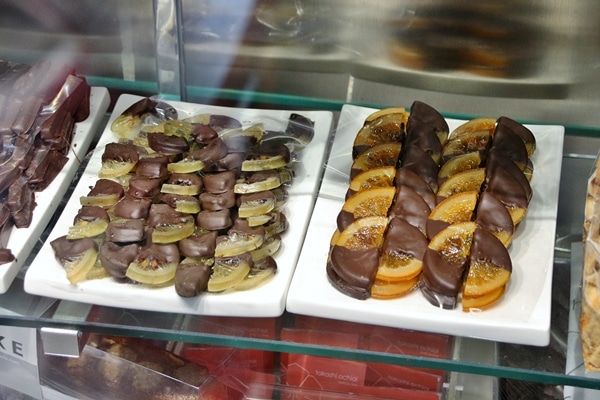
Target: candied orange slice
385, 290
114, 168
462, 182
374, 177
460, 163
476, 124
370, 202
388, 125
364, 233
458, 207
477, 303
466, 143
454, 242
484, 277
379, 155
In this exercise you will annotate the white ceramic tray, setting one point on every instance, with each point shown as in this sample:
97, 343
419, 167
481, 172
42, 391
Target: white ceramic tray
47, 278
22, 241
523, 314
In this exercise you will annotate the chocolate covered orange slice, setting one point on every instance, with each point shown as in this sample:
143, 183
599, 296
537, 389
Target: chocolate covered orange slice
380, 155
459, 207
387, 125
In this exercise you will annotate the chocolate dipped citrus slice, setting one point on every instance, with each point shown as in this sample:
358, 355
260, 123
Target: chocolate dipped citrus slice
445, 262
387, 125
459, 207
489, 271
379, 155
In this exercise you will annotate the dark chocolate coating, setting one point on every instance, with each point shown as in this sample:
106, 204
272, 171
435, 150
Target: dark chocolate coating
152, 167
130, 207
418, 161
402, 237
344, 219
525, 134
441, 280
142, 187
415, 182
159, 253
125, 231
123, 152
511, 145
428, 116
240, 143
492, 215
488, 247
214, 220
497, 159
106, 186
356, 267
344, 287
241, 226
216, 202
231, 162
411, 207
199, 245
203, 133
507, 189
424, 136
185, 180
220, 122
115, 258
166, 144
264, 196
191, 279
91, 213
163, 214
67, 249
219, 182
211, 153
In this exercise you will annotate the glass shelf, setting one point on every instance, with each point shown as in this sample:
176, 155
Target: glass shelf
544, 365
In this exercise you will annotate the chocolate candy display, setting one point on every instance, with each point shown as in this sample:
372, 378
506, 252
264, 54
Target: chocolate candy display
193, 203
39, 106
431, 209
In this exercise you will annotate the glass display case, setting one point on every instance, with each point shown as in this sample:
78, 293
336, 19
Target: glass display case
536, 62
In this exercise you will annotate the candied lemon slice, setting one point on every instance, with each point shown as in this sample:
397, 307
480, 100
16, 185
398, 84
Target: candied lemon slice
269, 248
235, 244
256, 207
227, 274
255, 278
83, 229
148, 273
78, 267
385, 290
263, 164
183, 190
185, 166
97, 271
113, 169
364, 233
271, 182
470, 180
171, 233
103, 200
177, 127
370, 202
187, 206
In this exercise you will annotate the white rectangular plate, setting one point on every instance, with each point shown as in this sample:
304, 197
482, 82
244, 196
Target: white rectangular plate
47, 278
22, 241
523, 314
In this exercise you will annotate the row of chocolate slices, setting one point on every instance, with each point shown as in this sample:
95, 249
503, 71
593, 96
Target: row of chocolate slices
39, 106
431, 209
